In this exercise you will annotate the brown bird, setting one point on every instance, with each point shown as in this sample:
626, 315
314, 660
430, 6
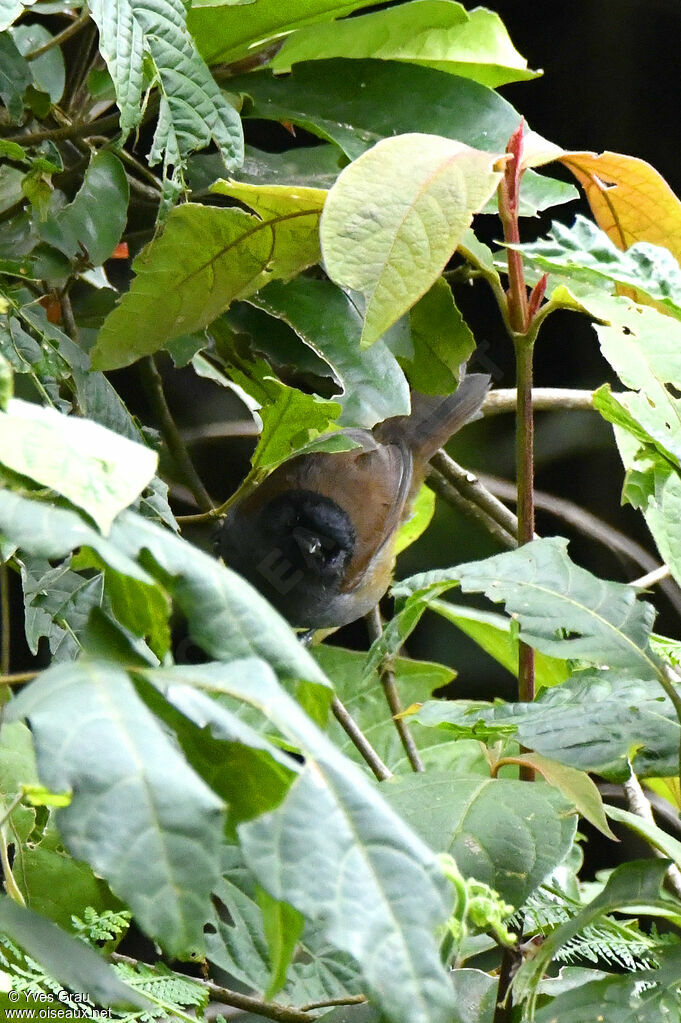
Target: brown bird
317, 536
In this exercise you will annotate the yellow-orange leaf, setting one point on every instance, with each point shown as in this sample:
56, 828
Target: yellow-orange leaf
629, 199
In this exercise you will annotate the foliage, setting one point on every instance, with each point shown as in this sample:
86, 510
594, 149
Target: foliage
226, 809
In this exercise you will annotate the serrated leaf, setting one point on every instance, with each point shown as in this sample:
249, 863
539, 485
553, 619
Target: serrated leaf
395, 216
586, 253
93, 735
496, 830
206, 258
96, 469
433, 33
94, 222
562, 609
390, 892
325, 318
193, 111
593, 722
57, 604
66, 958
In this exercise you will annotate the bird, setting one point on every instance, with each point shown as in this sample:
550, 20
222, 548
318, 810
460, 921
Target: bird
317, 536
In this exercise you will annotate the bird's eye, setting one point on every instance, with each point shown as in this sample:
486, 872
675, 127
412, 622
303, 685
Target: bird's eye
312, 546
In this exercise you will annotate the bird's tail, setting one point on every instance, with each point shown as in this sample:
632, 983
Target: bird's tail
434, 419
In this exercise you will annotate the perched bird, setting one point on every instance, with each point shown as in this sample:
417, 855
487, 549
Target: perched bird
317, 536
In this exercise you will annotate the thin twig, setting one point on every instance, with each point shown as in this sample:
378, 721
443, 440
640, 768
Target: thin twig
543, 399
657, 575
154, 385
80, 129
270, 1010
61, 37
18, 679
330, 1002
387, 676
469, 486
359, 740
449, 493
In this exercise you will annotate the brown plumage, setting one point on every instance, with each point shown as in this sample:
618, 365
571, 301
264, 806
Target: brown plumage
317, 537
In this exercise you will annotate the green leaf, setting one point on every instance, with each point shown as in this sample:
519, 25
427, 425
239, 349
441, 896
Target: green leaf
66, 958
283, 927
594, 722
562, 609
396, 215
433, 33
633, 998
654, 836
141, 608
94, 222
362, 693
442, 341
93, 735
585, 253
57, 604
498, 637
283, 431
353, 105
312, 166
193, 111
476, 995
226, 616
292, 213
96, 469
185, 278
6, 383
422, 511
49, 74
10, 11
389, 892
634, 883
58, 887
15, 77
495, 829
328, 321
237, 944
228, 33
576, 786
205, 258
